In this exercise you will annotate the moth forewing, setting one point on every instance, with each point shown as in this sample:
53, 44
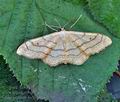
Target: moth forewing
64, 47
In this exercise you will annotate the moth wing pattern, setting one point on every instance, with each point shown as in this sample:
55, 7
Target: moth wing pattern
64, 47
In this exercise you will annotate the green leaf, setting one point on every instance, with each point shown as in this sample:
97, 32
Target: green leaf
23, 20
104, 96
10, 89
107, 12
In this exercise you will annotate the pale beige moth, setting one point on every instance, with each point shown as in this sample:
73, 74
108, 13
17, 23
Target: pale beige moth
64, 47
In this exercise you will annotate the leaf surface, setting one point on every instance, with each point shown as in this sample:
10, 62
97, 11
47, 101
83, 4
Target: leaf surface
23, 20
107, 13
10, 88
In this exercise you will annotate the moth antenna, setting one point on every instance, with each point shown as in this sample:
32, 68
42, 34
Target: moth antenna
75, 21
66, 24
55, 26
59, 25
50, 27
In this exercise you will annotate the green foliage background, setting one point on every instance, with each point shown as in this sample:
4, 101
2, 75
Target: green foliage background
21, 20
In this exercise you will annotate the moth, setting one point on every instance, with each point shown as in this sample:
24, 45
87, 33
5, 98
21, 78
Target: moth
64, 47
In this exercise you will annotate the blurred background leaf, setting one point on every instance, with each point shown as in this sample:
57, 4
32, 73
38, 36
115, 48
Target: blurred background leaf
10, 89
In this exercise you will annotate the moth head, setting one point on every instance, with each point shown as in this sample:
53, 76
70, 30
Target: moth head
62, 29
